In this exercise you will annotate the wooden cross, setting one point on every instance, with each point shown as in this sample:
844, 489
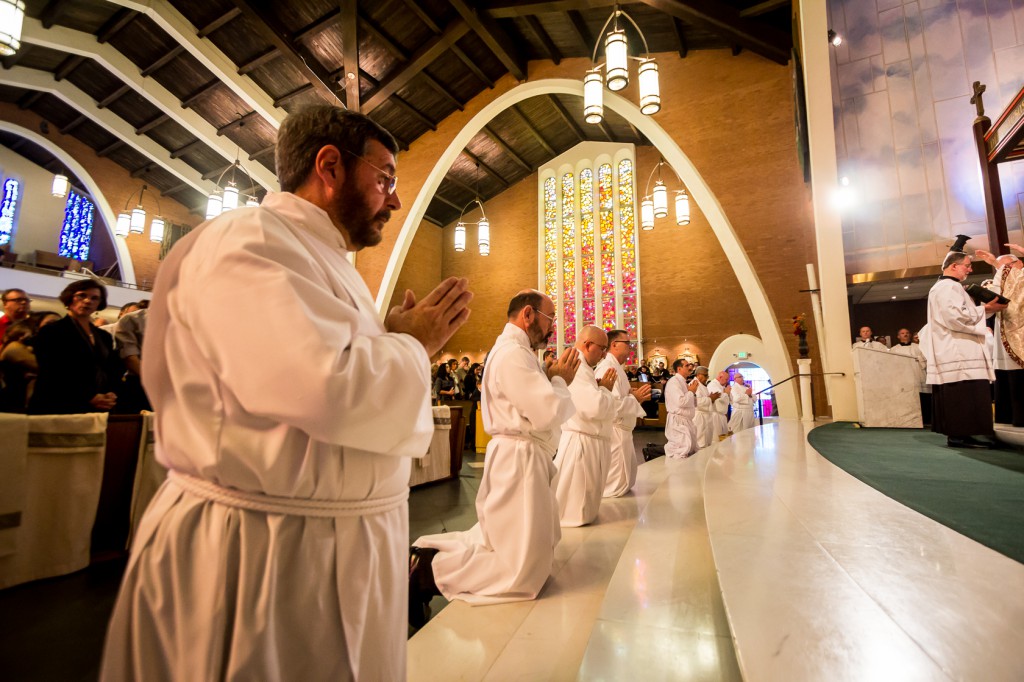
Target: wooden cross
976, 100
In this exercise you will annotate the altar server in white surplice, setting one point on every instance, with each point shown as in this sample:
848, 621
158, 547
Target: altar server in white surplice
507, 556
622, 465
681, 405
584, 451
276, 549
720, 405
703, 420
742, 399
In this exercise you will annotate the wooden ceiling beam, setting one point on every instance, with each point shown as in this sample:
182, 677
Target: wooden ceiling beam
12, 60
28, 99
459, 183
487, 169
582, 33
533, 130
508, 149
419, 61
274, 31
349, 21
444, 200
200, 93
217, 172
764, 8
455, 49
110, 148
511, 9
141, 170
302, 89
677, 27
567, 118
69, 64
117, 23
262, 152
79, 120
432, 220
53, 11
258, 61
114, 96
181, 151
237, 123
163, 61
602, 125
545, 40
399, 102
725, 20
319, 25
153, 123
219, 22
174, 190
494, 38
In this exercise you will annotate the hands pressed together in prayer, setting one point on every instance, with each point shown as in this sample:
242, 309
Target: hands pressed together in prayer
692, 386
565, 367
608, 380
104, 402
642, 394
433, 320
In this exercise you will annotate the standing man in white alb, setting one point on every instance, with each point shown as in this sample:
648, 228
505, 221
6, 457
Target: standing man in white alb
507, 556
866, 340
720, 404
622, 465
276, 549
584, 451
704, 419
742, 397
681, 406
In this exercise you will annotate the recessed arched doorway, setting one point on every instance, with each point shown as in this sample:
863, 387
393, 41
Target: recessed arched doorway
755, 376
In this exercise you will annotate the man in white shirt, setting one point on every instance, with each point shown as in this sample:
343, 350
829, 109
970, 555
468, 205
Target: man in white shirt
704, 419
865, 340
719, 404
622, 465
681, 406
584, 449
276, 549
742, 398
905, 346
507, 556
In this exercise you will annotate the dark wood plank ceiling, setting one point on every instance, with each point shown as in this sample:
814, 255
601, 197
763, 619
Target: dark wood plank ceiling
242, 65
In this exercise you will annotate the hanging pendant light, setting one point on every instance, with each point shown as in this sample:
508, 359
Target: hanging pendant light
214, 205
682, 208
650, 94
483, 235
123, 225
460, 237
12, 16
616, 51
660, 199
593, 105
647, 214
156, 229
138, 220
60, 185
251, 201
230, 200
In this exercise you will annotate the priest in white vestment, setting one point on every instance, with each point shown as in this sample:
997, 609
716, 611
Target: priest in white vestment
704, 419
742, 399
276, 549
507, 556
623, 465
681, 405
905, 346
584, 450
719, 404
1007, 363
866, 340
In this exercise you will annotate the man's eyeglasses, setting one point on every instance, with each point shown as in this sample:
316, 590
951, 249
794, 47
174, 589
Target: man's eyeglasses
552, 319
390, 180
594, 343
20, 299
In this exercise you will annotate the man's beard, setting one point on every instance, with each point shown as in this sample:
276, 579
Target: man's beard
354, 214
538, 340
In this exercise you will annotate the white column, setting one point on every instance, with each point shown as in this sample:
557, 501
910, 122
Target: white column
806, 404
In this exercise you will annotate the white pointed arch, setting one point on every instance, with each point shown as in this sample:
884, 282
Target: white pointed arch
776, 358
124, 258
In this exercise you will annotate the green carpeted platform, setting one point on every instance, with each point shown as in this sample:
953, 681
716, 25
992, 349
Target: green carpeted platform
979, 493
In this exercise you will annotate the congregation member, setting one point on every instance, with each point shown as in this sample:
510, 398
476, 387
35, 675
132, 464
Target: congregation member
720, 405
1007, 334
472, 385
959, 367
445, 387
622, 465
866, 340
741, 397
681, 406
79, 370
277, 547
129, 331
704, 419
507, 556
584, 450
17, 306
905, 346
461, 371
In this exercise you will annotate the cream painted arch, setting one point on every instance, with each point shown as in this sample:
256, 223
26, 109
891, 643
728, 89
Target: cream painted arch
776, 359
124, 258
727, 351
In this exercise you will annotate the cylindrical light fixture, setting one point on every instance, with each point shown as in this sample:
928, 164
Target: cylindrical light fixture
60, 183
230, 200
123, 225
593, 104
682, 208
156, 229
647, 214
616, 51
660, 199
460, 237
138, 220
483, 236
251, 201
214, 205
12, 15
650, 93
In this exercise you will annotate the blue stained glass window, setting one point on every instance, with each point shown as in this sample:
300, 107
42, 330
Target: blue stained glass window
77, 230
9, 209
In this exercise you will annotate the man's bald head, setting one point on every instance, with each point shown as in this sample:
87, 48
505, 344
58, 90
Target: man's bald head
592, 343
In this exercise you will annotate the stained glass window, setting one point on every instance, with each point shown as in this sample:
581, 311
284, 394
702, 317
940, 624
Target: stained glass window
9, 209
569, 252
587, 245
77, 229
551, 225
607, 217
627, 248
